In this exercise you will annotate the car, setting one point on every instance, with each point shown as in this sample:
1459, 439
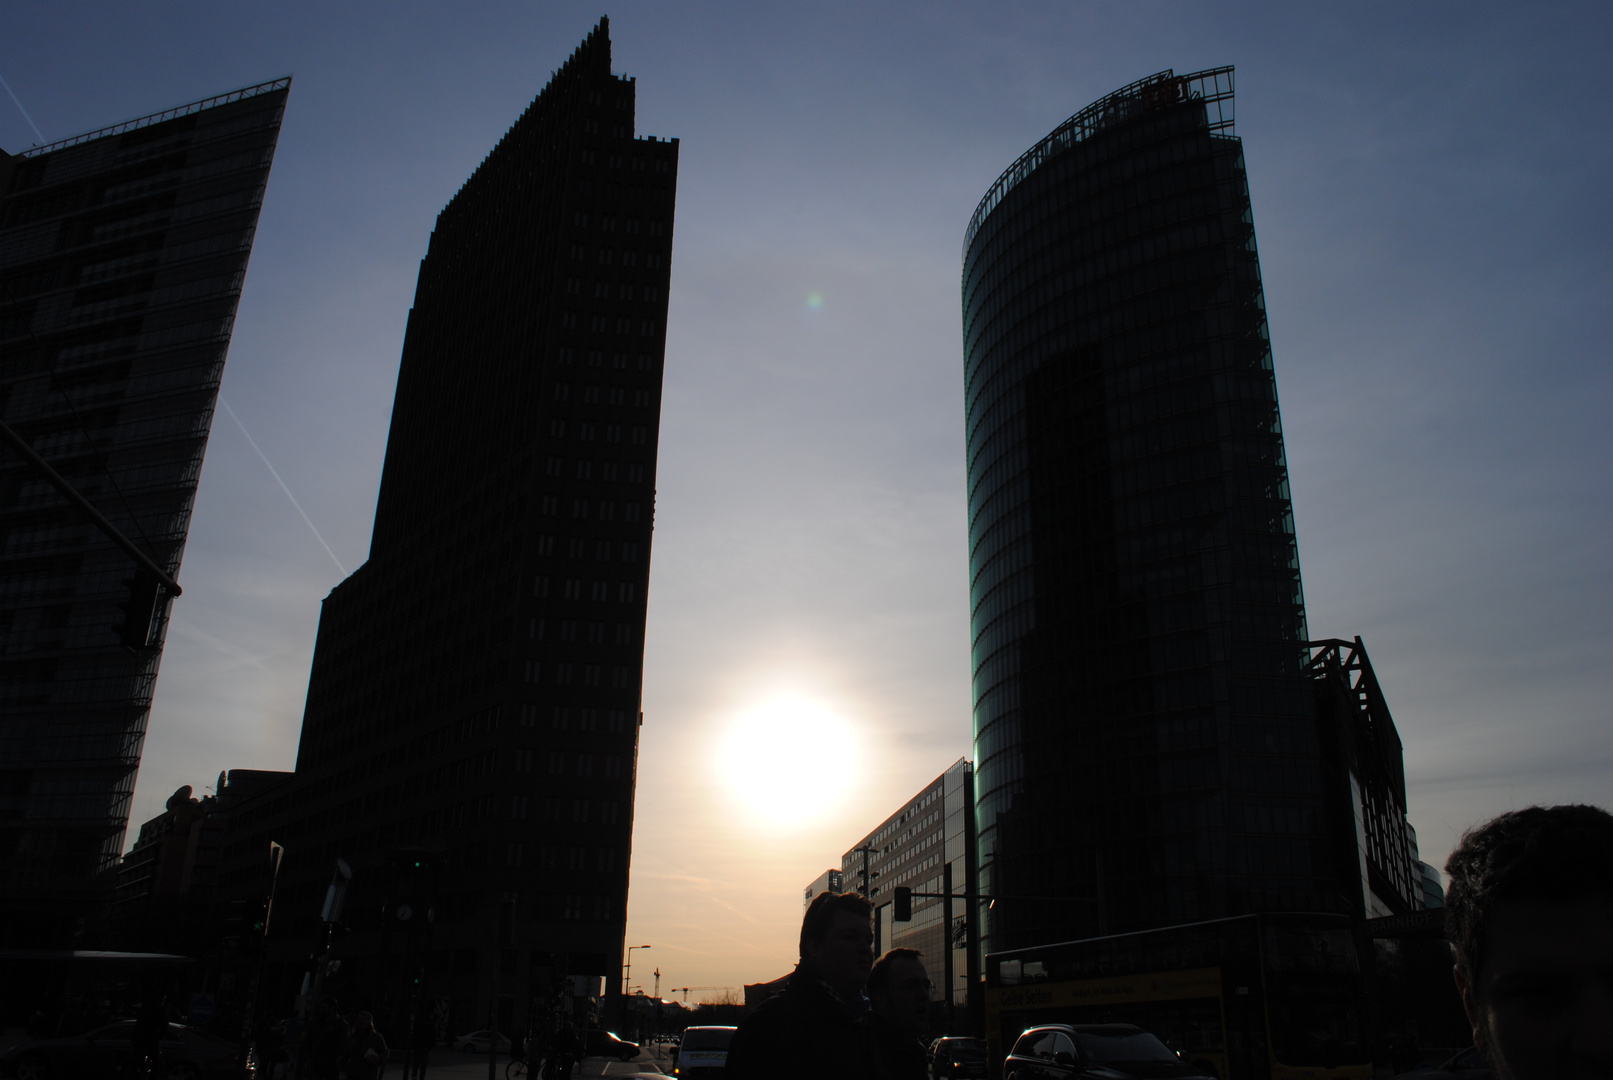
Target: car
1089, 1051
1470, 1064
184, 1053
953, 1056
703, 1052
477, 1042
609, 1044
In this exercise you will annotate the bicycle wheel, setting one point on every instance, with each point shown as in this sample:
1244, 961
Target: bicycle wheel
515, 1070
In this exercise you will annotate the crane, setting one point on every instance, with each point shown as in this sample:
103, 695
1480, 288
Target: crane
684, 990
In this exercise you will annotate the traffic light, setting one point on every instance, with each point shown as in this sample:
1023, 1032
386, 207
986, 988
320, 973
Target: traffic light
902, 905
139, 609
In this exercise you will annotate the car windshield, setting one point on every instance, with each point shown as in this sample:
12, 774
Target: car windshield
112, 1031
712, 1038
1116, 1048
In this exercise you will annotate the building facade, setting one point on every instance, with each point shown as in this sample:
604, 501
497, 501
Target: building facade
470, 738
122, 255
926, 845
1146, 738
832, 881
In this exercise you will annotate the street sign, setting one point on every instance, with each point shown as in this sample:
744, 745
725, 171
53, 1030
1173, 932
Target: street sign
1429, 923
202, 1010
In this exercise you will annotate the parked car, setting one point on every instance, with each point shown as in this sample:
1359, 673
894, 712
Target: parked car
1470, 1064
477, 1042
184, 1053
703, 1052
953, 1056
609, 1044
1110, 1051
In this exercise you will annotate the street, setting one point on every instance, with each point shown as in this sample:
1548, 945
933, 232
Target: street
452, 1063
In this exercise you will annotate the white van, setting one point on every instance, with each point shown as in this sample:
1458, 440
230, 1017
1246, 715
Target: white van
703, 1053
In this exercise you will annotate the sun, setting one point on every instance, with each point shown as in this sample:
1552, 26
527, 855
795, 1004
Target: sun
790, 760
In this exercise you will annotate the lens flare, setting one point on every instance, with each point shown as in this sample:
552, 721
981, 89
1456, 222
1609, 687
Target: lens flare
814, 301
790, 760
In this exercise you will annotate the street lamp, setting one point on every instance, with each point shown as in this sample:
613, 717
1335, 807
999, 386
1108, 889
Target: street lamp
627, 980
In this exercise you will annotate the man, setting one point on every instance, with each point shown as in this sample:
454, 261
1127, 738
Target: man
813, 1031
899, 992
1530, 911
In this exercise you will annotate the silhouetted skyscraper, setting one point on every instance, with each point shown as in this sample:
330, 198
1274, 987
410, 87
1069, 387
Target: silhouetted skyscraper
1144, 729
474, 696
122, 253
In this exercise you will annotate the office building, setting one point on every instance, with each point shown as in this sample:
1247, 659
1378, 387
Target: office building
926, 845
470, 737
828, 881
122, 254
1146, 735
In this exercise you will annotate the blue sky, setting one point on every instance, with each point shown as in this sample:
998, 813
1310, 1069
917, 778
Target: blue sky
1430, 192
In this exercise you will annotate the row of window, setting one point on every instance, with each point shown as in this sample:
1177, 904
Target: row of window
605, 324
588, 633
561, 857
555, 810
632, 226
610, 472
595, 358
579, 764
632, 512
563, 717
624, 290
593, 394
652, 260
599, 592
616, 676
619, 161
577, 548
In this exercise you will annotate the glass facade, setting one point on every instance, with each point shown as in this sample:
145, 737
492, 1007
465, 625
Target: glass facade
122, 254
1145, 741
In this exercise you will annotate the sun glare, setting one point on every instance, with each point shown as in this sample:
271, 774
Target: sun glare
790, 760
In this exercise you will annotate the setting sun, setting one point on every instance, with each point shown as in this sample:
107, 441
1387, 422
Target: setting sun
789, 760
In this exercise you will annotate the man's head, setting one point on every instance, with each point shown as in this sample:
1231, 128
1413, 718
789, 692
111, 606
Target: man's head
1530, 911
899, 989
837, 940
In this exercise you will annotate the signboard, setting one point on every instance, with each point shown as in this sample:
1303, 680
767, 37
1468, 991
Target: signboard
1430, 923
1155, 986
202, 1010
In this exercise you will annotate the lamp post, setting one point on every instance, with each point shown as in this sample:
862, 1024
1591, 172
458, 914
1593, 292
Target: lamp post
627, 980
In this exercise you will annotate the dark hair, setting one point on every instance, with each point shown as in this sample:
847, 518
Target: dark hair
1543, 852
820, 914
879, 977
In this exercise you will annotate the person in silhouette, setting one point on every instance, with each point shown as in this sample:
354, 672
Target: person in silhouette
814, 1029
899, 993
1530, 911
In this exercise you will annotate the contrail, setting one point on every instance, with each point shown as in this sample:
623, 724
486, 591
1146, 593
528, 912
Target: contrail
282, 484
22, 110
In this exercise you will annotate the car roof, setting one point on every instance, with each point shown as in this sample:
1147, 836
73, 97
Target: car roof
1088, 1029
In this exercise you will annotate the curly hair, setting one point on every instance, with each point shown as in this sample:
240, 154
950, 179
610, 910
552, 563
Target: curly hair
820, 914
1539, 853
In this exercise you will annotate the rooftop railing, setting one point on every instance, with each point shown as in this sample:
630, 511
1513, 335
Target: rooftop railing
157, 118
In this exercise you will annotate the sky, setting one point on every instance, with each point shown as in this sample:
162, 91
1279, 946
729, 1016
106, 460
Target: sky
1430, 189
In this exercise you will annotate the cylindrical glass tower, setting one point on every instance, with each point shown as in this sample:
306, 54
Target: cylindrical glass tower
1144, 737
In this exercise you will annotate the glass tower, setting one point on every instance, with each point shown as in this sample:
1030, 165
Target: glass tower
122, 253
1145, 739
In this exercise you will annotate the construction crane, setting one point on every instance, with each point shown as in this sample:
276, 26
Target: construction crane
684, 990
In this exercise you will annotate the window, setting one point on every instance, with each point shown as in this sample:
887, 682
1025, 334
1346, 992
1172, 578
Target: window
602, 550
629, 552
629, 258
529, 716
613, 432
607, 257
624, 636
652, 293
580, 219
540, 587
609, 470
573, 589
579, 509
607, 510
576, 547
632, 511
551, 506
641, 399
560, 718
585, 469
562, 391
563, 674
613, 765
513, 854
618, 361
653, 260
645, 363
609, 812
556, 763
625, 293
523, 761
657, 228
608, 224
534, 671
618, 395
545, 544
568, 321
635, 474
601, 290
518, 807
568, 631
579, 811
553, 465
578, 252
601, 592
590, 395
574, 286
607, 860
641, 434
572, 910
564, 356
626, 592
595, 358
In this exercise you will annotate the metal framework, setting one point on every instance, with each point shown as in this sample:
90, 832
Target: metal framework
157, 118
1213, 86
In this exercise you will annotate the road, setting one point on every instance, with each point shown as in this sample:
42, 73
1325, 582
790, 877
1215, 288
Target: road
452, 1065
